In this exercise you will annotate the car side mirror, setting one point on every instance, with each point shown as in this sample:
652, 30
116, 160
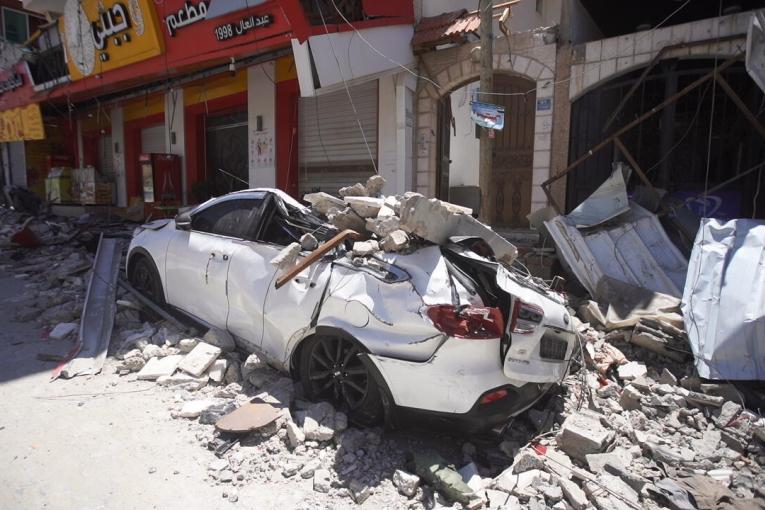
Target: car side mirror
183, 221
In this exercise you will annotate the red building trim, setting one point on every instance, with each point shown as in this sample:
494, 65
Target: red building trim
132, 132
287, 122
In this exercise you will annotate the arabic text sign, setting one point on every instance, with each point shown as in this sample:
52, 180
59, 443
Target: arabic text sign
230, 30
186, 15
102, 35
20, 124
487, 115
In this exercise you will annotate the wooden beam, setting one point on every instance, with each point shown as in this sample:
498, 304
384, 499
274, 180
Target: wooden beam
741, 106
643, 177
315, 255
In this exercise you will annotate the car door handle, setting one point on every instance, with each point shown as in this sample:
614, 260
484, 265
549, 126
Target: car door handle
225, 257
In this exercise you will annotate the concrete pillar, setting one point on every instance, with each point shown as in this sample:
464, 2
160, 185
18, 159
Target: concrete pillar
80, 149
387, 161
175, 134
561, 123
118, 153
261, 129
405, 88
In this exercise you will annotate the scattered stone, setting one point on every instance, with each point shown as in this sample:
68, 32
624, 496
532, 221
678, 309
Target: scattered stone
360, 491
232, 373
182, 380
187, 345
728, 413
382, 226
295, 435
631, 370
527, 460
217, 370
199, 359
193, 408
365, 207
573, 494
347, 219
365, 248
286, 258
158, 367
357, 190
395, 241
132, 364
323, 203
308, 242
667, 377
704, 400
322, 481
630, 398
582, 434
406, 483
63, 330
221, 339
152, 351
310, 468
374, 185
252, 363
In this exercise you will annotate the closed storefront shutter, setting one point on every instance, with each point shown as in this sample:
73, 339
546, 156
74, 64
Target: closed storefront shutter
106, 157
332, 151
153, 140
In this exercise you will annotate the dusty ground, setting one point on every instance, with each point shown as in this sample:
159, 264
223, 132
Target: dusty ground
98, 442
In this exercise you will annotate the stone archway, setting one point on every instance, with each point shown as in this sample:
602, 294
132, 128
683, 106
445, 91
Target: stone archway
452, 68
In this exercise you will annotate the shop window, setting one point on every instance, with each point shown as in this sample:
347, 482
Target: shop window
228, 218
15, 27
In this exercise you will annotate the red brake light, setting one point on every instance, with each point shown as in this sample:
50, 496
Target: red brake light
472, 322
526, 317
493, 396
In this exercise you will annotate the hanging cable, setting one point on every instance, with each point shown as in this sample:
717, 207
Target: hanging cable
347, 89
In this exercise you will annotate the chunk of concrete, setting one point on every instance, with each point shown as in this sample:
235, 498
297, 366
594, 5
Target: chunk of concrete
186, 345
382, 226
322, 480
619, 457
470, 475
431, 467
308, 242
357, 190
63, 330
527, 460
395, 241
365, 248
630, 398
157, 367
436, 221
199, 359
183, 380
374, 185
324, 203
220, 338
347, 219
406, 483
391, 207
217, 370
631, 370
193, 408
728, 412
573, 494
366, 207
286, 258
295, 435
582, 434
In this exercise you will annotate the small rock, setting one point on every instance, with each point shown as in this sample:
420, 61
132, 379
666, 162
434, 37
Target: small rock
360, 491
527, 460
186, 345
357, 190
364, 248
631, 370
310, 468
199, 359
667, 377
321, 481
406, 483
582, 434
217, 370
158, 367
395, 241
286, 258
728, 413
152, 351
374, 185
221, 339
295, 435
252, 363
308, 242
573, 494
630, 398
193, 408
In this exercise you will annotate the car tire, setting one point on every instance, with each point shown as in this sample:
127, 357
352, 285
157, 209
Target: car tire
333, 368
144, 277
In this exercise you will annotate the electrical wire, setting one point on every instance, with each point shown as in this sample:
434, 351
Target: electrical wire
345, 84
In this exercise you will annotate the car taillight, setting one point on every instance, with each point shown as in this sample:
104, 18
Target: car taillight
525, 317
471, 322
493, 396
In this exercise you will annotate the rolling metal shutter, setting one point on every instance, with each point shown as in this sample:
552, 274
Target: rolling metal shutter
153, 140
331, 149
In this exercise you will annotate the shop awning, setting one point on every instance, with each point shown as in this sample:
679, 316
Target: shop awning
450, 27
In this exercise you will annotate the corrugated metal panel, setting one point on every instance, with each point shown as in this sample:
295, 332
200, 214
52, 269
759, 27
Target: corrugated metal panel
153, 140
635, 250
329, 130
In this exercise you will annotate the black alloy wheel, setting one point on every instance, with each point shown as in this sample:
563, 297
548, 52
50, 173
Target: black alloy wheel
332, 369
145, 279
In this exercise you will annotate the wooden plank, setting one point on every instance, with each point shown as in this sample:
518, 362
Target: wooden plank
316, 255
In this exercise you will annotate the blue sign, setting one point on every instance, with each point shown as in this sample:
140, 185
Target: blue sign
487, 115
544, 103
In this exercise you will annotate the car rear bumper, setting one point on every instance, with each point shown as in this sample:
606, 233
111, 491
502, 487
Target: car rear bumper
481, 417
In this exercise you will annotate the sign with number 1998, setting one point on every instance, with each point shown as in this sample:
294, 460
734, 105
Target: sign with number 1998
224, 32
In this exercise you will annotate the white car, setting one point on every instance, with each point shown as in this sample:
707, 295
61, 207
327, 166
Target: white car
442, 333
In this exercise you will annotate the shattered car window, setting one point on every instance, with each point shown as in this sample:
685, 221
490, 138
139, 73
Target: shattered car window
227, 218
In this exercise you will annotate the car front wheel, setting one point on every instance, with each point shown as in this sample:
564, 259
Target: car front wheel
332, 368
145, 278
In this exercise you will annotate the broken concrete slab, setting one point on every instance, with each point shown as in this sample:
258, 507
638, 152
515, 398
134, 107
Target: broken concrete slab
346, 219
573, 494
630, 398
582, 434
631, 370
395, 241
357, 190
158, 367
374, 185
527, 460
324, 203
382, 226
193, 408
183, 380
660, 340
199, 359
365, 248
406, 483
618, 457
220, 338
217, 370
286, 258
366, 207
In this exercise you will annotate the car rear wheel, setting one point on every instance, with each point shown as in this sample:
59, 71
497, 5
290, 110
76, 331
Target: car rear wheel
333, 368
144, 278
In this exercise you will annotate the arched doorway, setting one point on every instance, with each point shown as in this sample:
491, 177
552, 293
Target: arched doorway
457, 148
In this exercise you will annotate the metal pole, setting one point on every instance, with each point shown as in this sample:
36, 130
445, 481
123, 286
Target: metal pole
487, 85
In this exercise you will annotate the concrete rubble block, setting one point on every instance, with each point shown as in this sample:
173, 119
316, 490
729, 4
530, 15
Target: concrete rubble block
212, 414
406, 483
322, 481
252, 363
635, 481
63, 330
158, 367
309, 468
557, 463
220, 338
357, 190
217, 370
702, 399
183, 380
365, 248
470, 475
395, 241
674, 456
708, 447
324, 203
611, 493
374, 185
366, 207
186, 345
618, 457
193, 408
573, 494
590, 311
286, 258
131, 364
527, 460
436, 221
728, 413
319, 422
347, 219
582, 434
631, 370
295, 435
630, 398
552, 494
382, 226
152, 351
360, 491
233, 373
391, 207
308, 242
667, 377
431, 467
199, 359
